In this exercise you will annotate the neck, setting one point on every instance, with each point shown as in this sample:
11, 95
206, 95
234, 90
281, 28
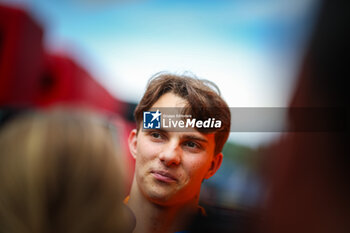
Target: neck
157, 218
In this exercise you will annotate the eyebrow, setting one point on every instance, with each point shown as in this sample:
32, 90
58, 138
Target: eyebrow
161, 130
187, 137
157, 130
193, 137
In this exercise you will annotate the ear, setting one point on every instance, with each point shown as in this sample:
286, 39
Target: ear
215, 165
132, 140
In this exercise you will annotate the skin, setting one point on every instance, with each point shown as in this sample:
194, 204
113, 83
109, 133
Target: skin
170, 168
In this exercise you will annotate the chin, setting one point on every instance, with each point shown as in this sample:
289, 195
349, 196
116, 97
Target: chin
161, 198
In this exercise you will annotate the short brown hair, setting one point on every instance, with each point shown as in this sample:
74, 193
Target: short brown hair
203, 99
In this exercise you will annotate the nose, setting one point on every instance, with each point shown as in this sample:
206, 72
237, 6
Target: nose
171, 154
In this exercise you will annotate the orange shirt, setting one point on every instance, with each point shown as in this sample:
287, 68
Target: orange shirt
201, 210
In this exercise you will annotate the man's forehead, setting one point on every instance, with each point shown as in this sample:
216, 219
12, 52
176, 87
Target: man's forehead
175, 115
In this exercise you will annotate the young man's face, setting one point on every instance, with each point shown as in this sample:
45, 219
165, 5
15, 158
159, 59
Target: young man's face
170, 166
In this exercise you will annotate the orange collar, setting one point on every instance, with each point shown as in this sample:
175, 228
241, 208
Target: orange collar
201, 210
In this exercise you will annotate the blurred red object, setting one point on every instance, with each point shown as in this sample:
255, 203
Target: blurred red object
65, 82
29, 77
21, 56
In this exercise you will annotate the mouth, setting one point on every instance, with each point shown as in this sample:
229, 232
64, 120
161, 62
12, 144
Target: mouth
163, 176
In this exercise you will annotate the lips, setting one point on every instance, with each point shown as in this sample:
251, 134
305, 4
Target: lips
163, 176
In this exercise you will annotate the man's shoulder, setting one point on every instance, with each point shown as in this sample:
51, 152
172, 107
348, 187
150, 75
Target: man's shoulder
221, 219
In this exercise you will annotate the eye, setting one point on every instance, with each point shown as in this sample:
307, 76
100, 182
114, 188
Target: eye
192, 146
156, 135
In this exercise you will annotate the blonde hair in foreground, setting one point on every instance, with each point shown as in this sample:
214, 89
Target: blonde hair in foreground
60, 172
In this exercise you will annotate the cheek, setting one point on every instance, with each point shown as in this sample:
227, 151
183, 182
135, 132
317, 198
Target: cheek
196, 167
146, 151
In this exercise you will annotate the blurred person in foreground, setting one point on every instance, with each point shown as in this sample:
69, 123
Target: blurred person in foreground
61, 172
171, 164
310, 189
